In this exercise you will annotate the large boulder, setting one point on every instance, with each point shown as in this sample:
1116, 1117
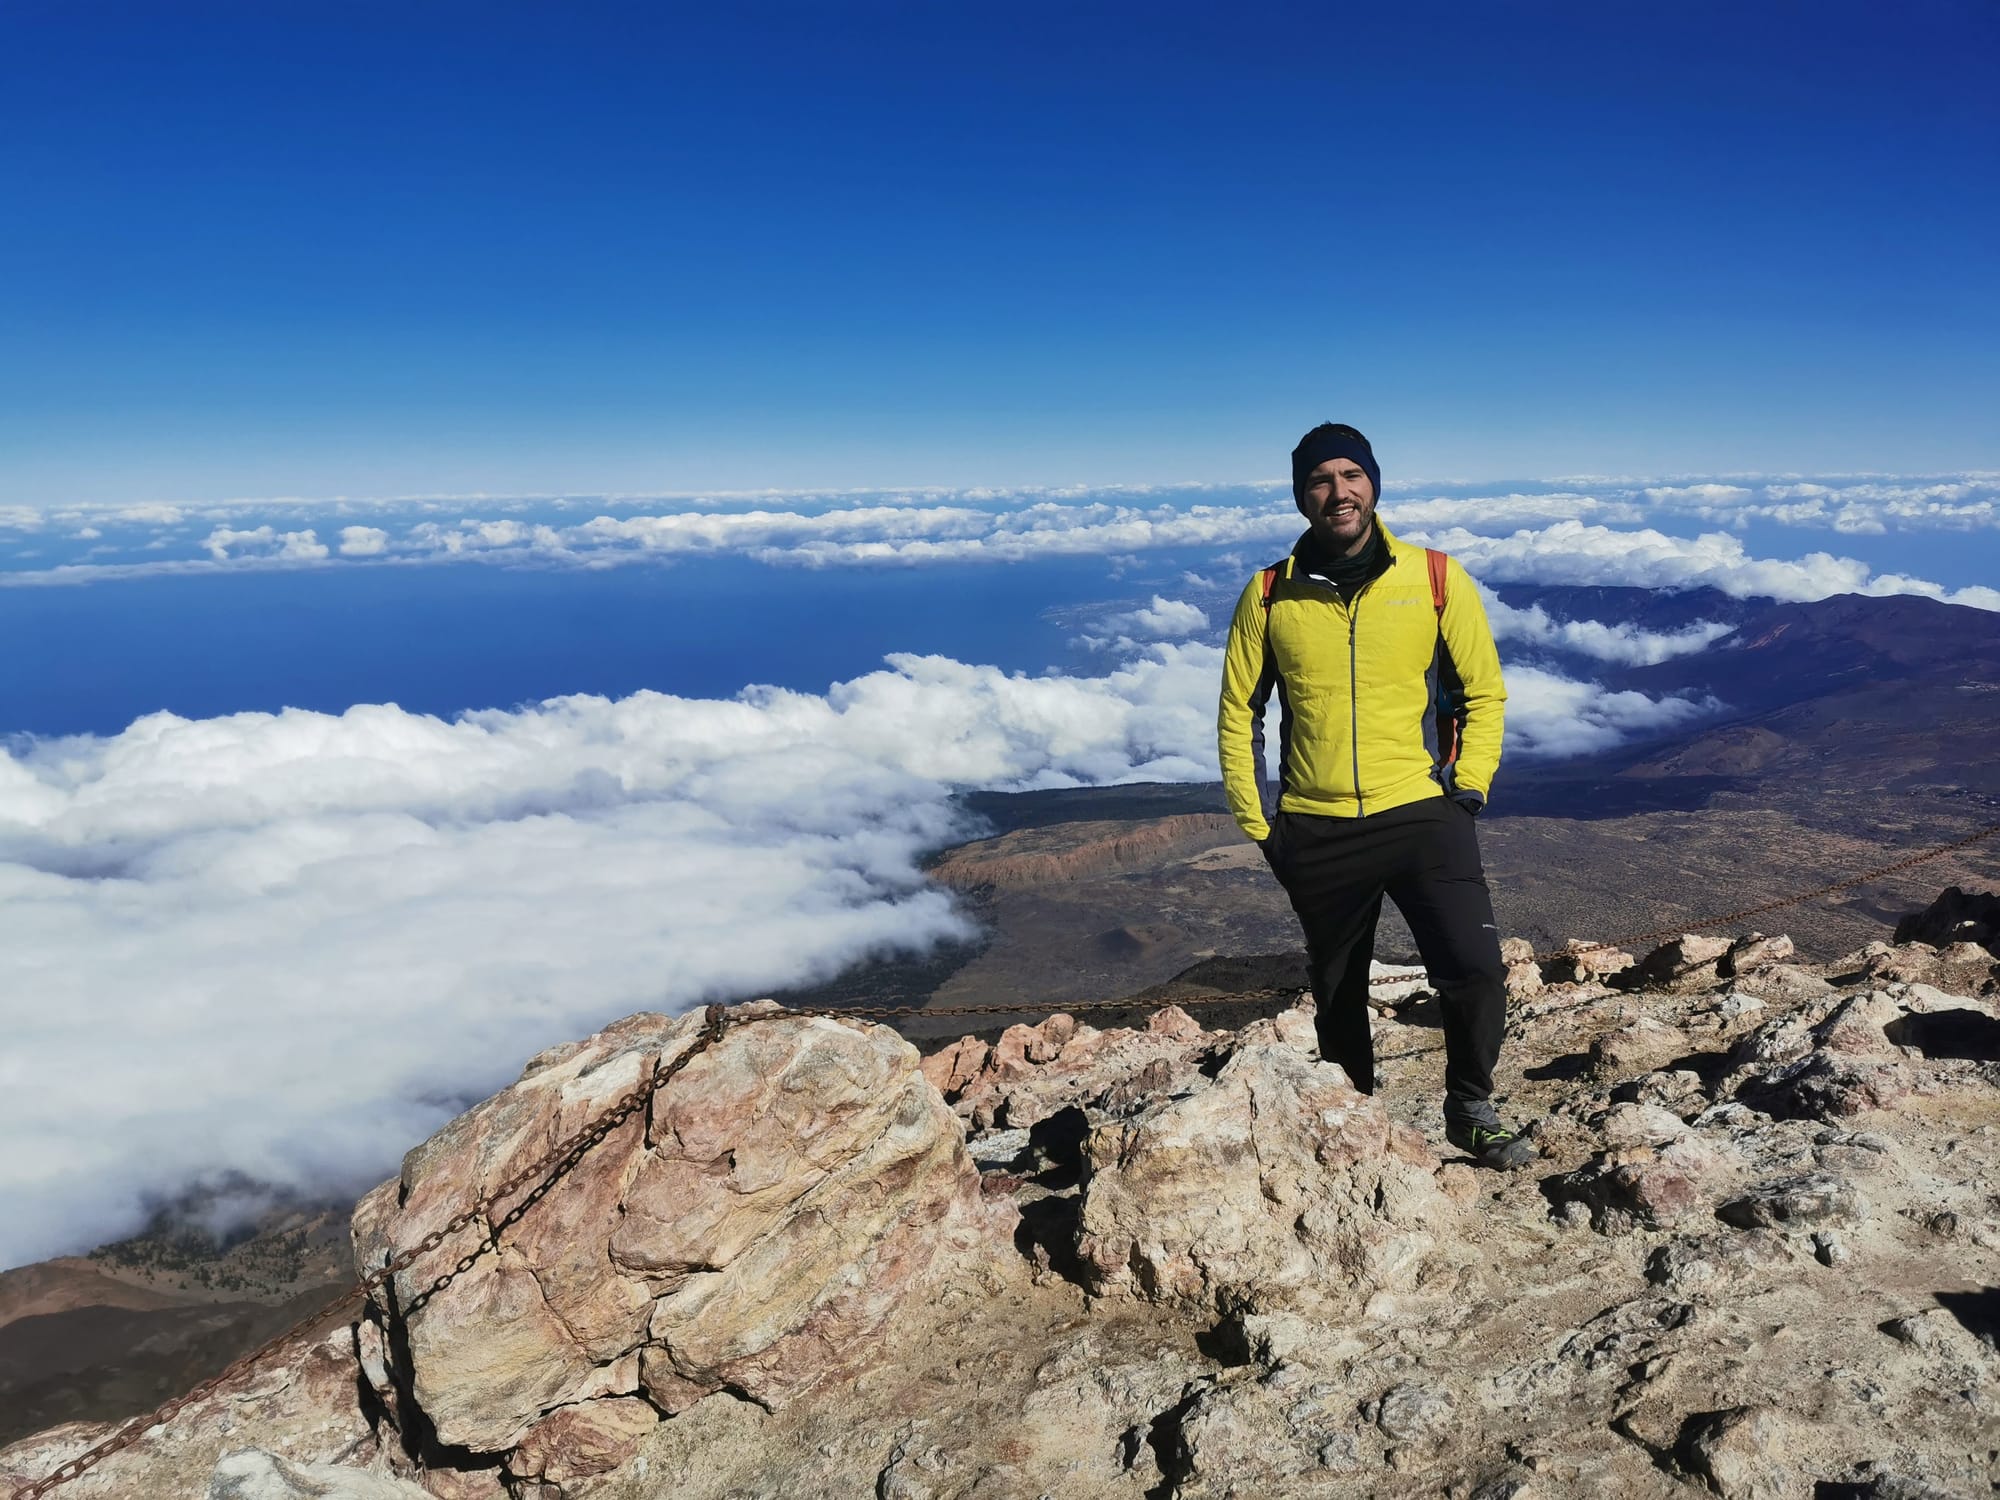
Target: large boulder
1690, 960
750, 1231
1580, 961
1654, 1172
1275, 1182
1957, 916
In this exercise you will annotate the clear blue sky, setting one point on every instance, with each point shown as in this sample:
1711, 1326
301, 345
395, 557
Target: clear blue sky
313, 249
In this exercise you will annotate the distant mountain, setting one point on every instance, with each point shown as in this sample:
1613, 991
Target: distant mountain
1899, 695
1648, 609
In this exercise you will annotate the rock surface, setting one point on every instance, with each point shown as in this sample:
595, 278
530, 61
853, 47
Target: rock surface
1756, 1259
253, 1474
786, 1191
1273, 1184
301, 1407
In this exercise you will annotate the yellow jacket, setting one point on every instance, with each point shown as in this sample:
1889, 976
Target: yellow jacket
1364, 692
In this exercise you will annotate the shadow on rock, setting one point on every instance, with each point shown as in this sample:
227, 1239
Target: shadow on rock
1057, 1147
1978, 1313
1560, 1069
1970, 1035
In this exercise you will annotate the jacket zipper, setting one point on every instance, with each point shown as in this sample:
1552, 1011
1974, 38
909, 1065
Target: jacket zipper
1354, 708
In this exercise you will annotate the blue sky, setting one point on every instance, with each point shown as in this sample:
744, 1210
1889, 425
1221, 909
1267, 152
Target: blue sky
319, 250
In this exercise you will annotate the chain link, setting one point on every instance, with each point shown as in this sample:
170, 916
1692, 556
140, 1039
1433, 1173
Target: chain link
1727, 918
557, 1160
566, 1153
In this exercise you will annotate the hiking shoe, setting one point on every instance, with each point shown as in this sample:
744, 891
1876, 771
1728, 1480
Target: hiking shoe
1492, 1145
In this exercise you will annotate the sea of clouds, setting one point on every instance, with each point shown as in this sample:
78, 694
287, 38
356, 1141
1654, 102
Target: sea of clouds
1589, 530
285, 947
288, 946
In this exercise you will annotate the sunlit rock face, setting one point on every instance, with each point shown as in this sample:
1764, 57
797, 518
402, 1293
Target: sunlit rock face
1275, 1183
751, 1231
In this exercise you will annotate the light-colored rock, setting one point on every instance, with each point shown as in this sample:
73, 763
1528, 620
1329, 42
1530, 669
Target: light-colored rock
1931, 1329
1636, 1187
1691, 957
1394, 984
1856, 1028
580, 1442
1172, 1022
1796, 1202
1749, 954
1413, 1413
1708, 1264
1051, 1037
1294, 1297
1580, 961
1747, 1453
1824, 1066
1639, 1124
1523, 971
956, 1066
1678, 1091
1240, 1438
1274, 1183
1928, 999
301, 1405
1783, 984
253, 1474
1034, 1072
792, 1186
720, 1448
1638, 1046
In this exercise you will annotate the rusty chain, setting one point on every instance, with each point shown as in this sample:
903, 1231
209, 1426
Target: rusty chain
1921, 857
556, 1161
566, 1153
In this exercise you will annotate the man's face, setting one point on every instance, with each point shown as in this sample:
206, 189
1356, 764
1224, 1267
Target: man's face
1340, 503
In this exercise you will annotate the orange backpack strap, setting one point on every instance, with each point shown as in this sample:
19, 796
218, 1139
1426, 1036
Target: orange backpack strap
1270, 577
1437, 560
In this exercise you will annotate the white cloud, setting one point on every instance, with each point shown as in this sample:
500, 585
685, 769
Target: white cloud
1555, 717
1162, 619
1504, 513
917, 527
1705, 494
290, 945
1624, 644
265, 541
363, 541
1571, 553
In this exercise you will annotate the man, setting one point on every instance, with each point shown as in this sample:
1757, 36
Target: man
1391, 705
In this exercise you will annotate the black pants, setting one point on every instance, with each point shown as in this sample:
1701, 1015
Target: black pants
1425, 858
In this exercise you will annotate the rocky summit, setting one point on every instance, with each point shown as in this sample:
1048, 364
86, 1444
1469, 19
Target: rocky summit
1759, 1257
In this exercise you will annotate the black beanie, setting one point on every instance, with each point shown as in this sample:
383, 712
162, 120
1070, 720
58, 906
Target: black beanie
1332, 440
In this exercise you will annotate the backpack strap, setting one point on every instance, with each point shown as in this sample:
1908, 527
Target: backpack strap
1270, 581
1451, 725
1436, 560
